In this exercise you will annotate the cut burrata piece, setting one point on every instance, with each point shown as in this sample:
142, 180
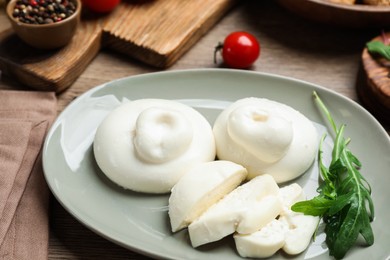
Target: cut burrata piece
263, 243
291, 232
147, 145
266, 137
245, 210
200, 188
300, 231
289, 195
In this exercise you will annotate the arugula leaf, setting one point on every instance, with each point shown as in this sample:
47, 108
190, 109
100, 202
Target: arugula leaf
344, 201
379, 48
315, 207
340, 202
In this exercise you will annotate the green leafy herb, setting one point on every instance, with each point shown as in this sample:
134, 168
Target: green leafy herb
379, 48
344, 201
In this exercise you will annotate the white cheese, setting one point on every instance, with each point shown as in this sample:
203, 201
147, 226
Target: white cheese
300, 231
291, 232
291, 194
266, 137
246, 209
200, 188
147, 145
263, 243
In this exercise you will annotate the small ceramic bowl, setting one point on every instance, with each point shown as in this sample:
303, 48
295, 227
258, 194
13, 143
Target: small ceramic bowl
46, 36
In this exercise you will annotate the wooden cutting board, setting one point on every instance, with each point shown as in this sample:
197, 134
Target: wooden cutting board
156, 32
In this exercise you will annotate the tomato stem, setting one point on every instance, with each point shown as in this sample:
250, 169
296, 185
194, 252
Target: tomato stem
217, 49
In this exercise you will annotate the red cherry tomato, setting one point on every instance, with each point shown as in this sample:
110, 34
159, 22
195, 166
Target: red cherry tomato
239, 50
101, 6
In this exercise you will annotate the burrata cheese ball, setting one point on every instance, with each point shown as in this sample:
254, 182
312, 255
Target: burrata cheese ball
266, 137
147, 145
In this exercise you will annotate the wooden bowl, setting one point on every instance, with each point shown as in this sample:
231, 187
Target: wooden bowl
323, 11
373, 84
45, 36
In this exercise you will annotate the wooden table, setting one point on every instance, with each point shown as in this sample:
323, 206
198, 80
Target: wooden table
291, 47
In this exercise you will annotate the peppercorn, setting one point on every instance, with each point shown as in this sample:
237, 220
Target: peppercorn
43, 11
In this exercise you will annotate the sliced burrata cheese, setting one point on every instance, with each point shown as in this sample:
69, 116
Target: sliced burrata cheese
147, 145
300, 231
200, 188
290, 195
263, 243
266, 137
291, 232
246, 209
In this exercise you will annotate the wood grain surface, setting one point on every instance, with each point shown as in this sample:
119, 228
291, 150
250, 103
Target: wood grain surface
291, 46
154, 32
49, 70
159, 32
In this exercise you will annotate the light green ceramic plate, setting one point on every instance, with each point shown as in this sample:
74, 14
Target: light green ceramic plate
140, 222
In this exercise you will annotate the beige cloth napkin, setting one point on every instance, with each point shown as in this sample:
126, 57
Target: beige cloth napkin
24, 222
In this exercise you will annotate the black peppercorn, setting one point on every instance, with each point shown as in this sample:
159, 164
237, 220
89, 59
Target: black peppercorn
43, 11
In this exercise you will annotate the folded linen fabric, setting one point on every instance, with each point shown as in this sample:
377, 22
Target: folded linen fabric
24, 120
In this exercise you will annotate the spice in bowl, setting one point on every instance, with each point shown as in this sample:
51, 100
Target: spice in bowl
43, 11
44, 24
